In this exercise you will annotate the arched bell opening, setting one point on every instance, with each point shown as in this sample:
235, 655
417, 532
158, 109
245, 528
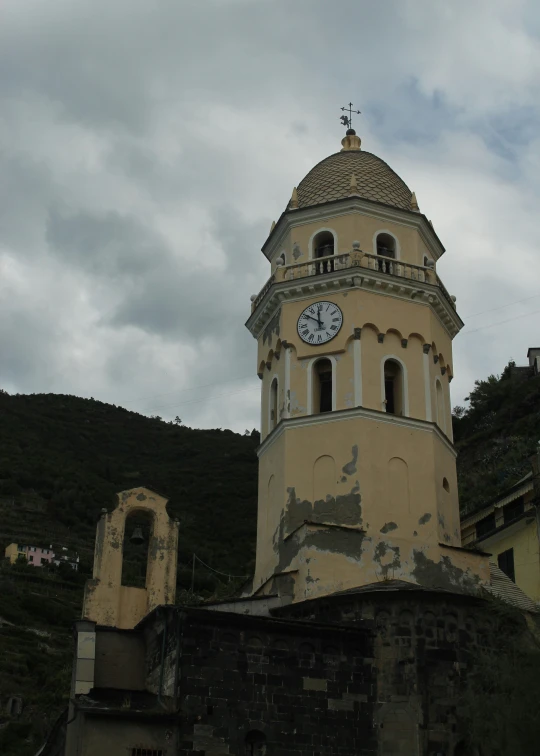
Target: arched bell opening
385, 246
135, 549
323, 247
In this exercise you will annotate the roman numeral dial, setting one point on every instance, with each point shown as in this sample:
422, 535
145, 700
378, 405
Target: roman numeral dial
320, 322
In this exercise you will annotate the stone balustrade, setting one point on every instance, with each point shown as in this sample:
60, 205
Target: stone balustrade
355, 259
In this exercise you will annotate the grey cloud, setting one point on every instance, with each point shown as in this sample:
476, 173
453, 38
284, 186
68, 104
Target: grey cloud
146, 147
110, 245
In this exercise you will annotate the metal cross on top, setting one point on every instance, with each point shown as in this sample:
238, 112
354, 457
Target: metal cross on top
347, 121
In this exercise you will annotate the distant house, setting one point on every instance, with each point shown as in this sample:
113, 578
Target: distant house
507, 528
63, 555
38, 556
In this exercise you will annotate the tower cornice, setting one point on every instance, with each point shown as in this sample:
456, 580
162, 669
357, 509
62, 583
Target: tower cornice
352, 276
352, 414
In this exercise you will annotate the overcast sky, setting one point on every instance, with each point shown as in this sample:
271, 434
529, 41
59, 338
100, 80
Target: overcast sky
146, 146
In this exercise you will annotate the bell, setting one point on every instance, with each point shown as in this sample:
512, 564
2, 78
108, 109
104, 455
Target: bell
137, 537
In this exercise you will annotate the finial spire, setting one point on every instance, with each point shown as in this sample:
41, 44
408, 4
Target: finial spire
293, 204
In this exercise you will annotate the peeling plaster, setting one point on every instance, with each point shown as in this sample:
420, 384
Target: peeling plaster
425, 518
388, 557
350, 467
388, 526
443, 574
334, 540
296, 251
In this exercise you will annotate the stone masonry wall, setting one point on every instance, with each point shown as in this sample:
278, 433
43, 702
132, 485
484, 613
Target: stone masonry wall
302, 688
425, 644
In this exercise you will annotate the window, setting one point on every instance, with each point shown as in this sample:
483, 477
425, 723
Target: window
32, 548
30, 558
486, 525
273, 405
440, 405
148, 752
322, 386
323, 246
386, 246
506, 563
393, 387
513, 510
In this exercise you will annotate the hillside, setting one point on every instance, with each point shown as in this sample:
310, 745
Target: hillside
496, 434
63, 458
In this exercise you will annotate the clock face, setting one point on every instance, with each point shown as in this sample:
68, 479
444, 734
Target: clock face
320, 322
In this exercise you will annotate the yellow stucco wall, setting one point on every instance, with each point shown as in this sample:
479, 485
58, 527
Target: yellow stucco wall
11, 553
524, 541
395, 319
378, 476
348, 227
106, 600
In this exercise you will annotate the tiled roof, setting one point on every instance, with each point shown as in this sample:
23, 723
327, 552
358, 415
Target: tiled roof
331, 180
507, 590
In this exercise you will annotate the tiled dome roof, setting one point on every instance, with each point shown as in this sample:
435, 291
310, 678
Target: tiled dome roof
331, 180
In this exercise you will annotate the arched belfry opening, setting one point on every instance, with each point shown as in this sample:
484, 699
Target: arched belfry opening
322, 386
386, 246
386, 249
394, 392
138, 532
135, 560
323, 246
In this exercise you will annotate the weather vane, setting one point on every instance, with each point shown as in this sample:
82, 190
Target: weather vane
347, 120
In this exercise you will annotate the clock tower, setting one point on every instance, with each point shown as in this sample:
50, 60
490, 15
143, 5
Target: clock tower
357, 472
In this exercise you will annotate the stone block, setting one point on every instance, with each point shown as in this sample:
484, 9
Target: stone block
340, 704
85, 670
86, 645
314, 683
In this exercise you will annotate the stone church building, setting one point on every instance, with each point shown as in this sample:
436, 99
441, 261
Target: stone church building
364, 611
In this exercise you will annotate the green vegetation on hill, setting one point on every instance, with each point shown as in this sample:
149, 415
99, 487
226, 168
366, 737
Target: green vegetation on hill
62, 459
496, 435
70, 456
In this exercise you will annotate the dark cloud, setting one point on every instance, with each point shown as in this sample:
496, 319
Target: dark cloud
147, 146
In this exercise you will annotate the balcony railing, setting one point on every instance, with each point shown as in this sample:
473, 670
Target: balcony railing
333, 263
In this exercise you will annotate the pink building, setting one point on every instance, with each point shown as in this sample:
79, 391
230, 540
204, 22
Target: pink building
37, 556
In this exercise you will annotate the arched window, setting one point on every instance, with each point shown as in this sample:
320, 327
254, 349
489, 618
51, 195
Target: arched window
322, 386
440, 405
323, 246
137, 533
273, 419
255, 743
386, 246
386, 249
393, 388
